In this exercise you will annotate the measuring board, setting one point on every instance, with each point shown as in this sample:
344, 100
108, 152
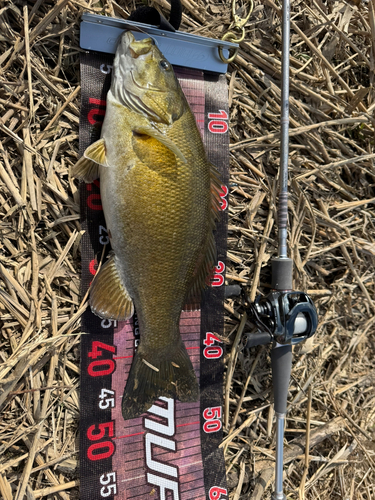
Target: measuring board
171, 451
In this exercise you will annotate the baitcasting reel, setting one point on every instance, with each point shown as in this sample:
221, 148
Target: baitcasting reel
286, 317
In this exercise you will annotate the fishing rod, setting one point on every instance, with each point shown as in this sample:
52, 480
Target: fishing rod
285, 317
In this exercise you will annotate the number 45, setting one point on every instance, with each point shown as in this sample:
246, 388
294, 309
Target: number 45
106, 401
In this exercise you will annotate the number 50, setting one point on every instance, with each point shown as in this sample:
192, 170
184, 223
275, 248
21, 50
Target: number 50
216, 492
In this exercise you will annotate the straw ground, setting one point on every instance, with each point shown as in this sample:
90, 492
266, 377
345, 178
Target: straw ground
330, 450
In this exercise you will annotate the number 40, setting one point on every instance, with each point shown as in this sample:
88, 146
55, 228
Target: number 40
215, 351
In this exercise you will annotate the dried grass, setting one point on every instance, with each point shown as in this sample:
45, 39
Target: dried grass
331, 239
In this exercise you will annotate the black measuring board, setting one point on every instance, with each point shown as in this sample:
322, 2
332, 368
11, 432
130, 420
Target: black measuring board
171, 451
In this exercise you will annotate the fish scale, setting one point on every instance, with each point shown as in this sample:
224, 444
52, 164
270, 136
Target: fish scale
160, 200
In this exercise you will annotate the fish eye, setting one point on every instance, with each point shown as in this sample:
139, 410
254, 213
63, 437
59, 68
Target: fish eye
165, 64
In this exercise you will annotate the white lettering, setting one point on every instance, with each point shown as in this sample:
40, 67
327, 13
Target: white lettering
166, 428
167, 413
164, 485
169, 470
107, 323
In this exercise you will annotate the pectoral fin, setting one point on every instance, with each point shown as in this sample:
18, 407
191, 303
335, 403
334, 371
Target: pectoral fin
158, 136
108, 296
155, 155
85, 170
96, 152
87, 167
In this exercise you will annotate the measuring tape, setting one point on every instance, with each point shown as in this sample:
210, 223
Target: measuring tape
171, 451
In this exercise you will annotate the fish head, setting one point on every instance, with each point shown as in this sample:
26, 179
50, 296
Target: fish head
144, 81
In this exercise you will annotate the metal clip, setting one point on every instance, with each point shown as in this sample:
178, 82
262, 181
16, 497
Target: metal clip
238, 25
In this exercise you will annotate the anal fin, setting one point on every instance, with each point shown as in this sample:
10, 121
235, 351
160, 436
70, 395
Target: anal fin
108, 297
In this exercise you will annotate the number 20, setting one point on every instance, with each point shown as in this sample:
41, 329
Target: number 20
104, 237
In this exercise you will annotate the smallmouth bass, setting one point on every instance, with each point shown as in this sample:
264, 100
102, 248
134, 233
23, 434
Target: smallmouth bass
160, 198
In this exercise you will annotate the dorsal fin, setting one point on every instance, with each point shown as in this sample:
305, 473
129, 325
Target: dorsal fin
216, 190
208, 261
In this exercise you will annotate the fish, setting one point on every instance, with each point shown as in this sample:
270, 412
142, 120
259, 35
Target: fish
161, 200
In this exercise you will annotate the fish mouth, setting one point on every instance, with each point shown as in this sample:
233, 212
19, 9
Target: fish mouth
127, 87
130, 46
131, 49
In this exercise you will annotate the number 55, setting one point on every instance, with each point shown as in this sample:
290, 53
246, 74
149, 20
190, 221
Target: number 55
111, 489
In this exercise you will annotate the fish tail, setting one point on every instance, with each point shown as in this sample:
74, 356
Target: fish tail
167, 372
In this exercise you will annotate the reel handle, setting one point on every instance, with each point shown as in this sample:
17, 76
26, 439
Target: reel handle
286, 317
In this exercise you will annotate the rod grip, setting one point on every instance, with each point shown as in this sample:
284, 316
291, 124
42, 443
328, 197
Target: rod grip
281, 361
282, 274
